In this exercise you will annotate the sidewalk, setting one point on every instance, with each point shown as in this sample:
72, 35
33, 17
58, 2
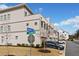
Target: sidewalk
63, 51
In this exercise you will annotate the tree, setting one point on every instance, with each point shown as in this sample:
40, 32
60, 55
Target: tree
77, 34
71, 37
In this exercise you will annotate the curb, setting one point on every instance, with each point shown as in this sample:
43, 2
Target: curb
63, 52
65, 49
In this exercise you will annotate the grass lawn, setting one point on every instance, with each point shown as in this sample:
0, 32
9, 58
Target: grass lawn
25, 51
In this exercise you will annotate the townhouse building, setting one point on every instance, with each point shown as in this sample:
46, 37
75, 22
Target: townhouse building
14, 22
63, 35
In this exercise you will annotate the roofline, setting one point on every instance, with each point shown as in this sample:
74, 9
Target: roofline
49, 24
16, 7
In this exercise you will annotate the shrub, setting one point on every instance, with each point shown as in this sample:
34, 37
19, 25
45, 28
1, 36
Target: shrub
18, 44
71, 39
37, 45
26, 45
9, 44
23, 45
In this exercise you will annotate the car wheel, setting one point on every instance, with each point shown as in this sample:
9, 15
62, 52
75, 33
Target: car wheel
59, 48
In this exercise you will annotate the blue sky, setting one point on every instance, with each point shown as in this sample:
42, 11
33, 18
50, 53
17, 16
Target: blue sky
65, 16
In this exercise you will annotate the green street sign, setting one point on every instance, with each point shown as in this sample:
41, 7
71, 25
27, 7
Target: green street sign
30, 33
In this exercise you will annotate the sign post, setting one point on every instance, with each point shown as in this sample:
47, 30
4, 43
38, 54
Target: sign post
31, 38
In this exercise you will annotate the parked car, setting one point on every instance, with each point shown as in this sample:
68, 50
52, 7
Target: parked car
60, 42
55, 45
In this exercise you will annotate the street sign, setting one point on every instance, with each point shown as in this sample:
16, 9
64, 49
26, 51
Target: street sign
31, 39
30, 31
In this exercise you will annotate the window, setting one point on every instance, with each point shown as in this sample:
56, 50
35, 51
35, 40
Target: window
1, 28
8, 16
16, 37
41, 23
25, 14
44, 25
2, 39
27, 24
4, 17
9, 28
1, 17
35, 23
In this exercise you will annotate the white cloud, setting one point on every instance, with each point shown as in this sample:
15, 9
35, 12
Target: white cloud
74, 21
3, 6
76, 26
66, 22
56, 24
48, 19
39, 10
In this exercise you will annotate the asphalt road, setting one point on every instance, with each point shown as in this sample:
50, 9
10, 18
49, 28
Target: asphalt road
72, 48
